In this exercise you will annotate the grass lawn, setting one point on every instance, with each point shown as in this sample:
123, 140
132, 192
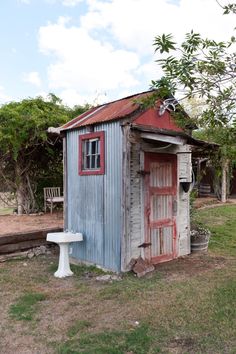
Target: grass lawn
6, 211
222, 223
185, 306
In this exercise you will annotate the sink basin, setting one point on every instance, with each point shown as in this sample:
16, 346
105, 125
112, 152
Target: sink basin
63, 240
64, 237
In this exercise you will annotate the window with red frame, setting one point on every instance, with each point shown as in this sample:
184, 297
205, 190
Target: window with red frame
91, 154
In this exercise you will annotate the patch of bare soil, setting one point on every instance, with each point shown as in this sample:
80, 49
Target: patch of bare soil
19, 223
181, 345
211, 202
205, 201
190, 265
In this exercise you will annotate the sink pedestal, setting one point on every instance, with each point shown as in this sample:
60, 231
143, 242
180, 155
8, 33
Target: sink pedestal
63, 240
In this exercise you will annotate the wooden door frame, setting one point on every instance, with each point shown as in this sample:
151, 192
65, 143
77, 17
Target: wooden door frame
148, 157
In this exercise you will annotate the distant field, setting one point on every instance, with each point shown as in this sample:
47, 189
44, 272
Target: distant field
7, 203
6, 211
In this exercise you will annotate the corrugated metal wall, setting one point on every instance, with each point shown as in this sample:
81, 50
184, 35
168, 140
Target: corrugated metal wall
94, 202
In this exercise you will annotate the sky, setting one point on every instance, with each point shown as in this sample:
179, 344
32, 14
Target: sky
93, 51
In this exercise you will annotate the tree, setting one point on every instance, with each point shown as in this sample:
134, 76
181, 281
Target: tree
204, 69
222, 159
79, 109
27, 152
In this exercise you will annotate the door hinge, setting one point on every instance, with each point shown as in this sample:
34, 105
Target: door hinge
145, 244
143, 173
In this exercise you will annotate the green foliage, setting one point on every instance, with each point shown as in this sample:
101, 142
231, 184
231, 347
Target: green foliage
228, 8
23, 125
203, 68
78, 109
225, 136
164, 43
30, 158
25, 308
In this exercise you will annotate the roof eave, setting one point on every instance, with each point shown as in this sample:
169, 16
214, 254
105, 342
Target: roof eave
190, 140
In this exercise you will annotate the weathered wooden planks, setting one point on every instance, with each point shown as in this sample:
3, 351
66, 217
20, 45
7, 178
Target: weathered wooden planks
25, 240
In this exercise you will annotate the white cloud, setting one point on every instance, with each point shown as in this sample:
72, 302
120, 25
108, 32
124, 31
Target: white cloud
4, 98
33, 78
83, 63
72, 97
135, 23
111, 50
71, 2
68, 3
27, 2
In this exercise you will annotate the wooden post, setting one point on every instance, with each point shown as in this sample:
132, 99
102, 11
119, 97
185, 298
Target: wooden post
125, 242
225, 166
65, 206
19, 191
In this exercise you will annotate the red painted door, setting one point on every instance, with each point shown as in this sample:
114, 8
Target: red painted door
160, 206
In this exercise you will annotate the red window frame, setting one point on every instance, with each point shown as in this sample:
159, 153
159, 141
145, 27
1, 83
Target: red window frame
101, 170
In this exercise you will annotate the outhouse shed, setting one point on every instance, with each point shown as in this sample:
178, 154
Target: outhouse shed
127, 173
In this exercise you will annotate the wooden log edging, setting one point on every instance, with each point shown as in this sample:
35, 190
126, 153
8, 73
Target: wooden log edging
22, 241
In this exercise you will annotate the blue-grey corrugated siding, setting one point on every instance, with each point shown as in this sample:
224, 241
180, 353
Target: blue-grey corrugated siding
94, 202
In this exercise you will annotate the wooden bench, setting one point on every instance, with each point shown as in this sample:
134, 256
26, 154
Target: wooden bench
52, 195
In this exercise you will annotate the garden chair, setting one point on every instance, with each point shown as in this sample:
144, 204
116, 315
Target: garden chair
52, 195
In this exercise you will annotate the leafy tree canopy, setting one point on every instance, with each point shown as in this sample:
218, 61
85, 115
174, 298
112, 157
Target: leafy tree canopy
201, 68
23, 125
28, 154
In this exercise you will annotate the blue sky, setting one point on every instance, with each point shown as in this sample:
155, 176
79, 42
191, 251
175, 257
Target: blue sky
93, 50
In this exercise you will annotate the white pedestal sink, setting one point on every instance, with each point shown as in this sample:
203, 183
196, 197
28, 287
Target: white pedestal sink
63, 240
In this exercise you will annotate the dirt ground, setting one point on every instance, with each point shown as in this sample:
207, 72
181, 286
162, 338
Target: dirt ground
184, 306
82, 300
20, 223
209, 202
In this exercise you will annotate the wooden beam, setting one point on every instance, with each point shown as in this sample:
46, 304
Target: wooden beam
13, 247
26, 236
177, 140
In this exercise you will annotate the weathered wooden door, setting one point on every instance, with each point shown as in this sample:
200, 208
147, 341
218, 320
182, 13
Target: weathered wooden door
160, 206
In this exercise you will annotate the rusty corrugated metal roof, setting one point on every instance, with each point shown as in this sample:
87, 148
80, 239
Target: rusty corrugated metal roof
107, 112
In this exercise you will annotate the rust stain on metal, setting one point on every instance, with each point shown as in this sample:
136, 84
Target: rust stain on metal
107, 112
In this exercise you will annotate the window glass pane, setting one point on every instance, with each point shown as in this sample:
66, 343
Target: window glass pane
98, 161
93, 145
87, 144
98, 147
84, 155
87, 162
93, 161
